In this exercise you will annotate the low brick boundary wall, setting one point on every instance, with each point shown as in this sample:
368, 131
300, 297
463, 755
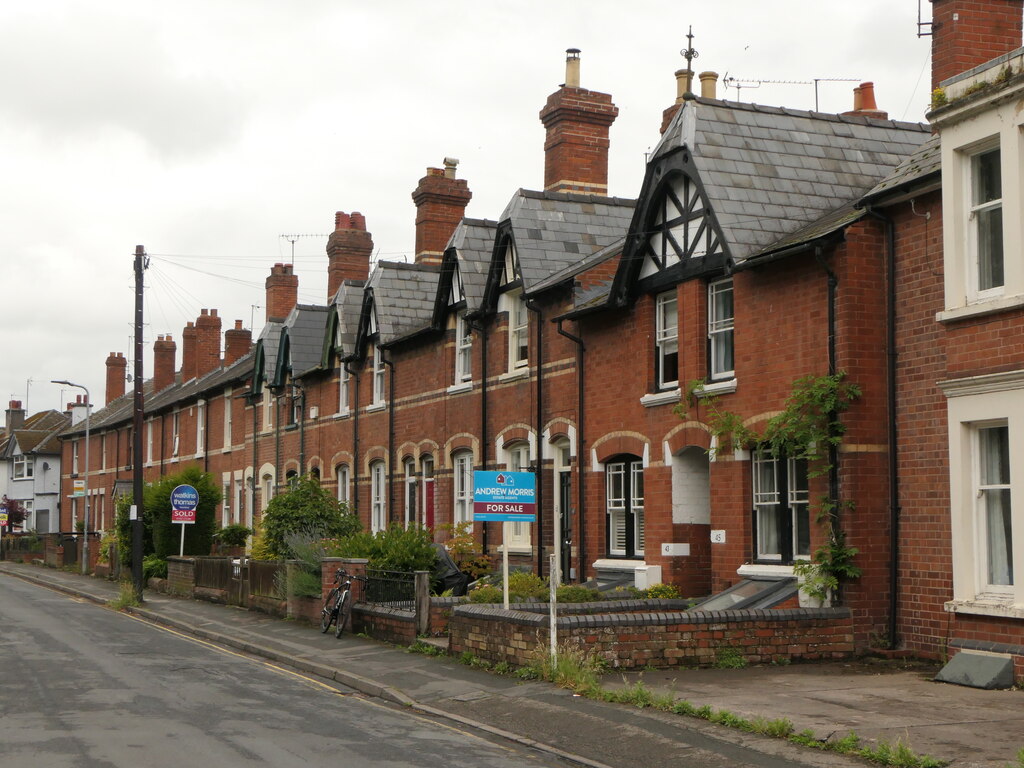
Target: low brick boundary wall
629, 640
382, 623
181, 576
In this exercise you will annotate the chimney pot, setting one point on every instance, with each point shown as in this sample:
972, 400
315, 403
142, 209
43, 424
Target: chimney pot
450, 164
342, 221
709, 85
572, 67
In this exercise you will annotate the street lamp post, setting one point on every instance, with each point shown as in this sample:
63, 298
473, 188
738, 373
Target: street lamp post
85, 520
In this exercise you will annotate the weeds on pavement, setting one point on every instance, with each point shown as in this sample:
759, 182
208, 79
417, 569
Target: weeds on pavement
126, 598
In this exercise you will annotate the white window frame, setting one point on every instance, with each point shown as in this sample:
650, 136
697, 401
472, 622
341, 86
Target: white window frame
721, 331
149, 441
983, 489
622, 475
225, 508
517, 459
268, 489
378, 496
103, 451
518, 331
228, 417
342, 476
972, 404
769, 503
463, 350
409, 489
344, 378
462, 487
976, 211
379, 395
268, 409
666, 338
74, 457
22, 467
175, 433
200, 426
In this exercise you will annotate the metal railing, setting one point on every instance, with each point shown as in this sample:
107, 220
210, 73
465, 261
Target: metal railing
394, 589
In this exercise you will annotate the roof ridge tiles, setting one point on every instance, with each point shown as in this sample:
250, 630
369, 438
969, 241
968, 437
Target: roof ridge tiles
830, 116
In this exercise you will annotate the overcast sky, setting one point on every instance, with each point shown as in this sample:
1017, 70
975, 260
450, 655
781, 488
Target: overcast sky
206, 129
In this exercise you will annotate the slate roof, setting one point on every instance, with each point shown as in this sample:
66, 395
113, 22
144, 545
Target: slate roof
403, 298
473, 239
270, 340
581, 266
554, 230
305, 326
769, 171
925, 161
348, 303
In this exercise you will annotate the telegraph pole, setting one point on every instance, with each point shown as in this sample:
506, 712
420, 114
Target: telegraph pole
137, 422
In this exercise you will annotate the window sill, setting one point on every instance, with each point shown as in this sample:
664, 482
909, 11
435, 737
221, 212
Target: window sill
517, 550
618, 564
980, 308
715, 388
341, 414
661, 398
376, 407
455, 389
225, 450
520, 373
987, 606
764, 570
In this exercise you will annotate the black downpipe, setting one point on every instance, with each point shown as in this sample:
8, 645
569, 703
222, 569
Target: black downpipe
206, 437
277, 444
581, 443
391, 435
890, 385
353, 501
255, 457
484, 439
302, 429
531, 305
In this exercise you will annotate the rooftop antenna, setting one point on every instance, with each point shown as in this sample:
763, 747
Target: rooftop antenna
292, 238
28, 383
830, 80
252, 315
738, 83
924, 28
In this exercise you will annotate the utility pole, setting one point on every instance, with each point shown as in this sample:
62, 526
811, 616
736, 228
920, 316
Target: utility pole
137, 420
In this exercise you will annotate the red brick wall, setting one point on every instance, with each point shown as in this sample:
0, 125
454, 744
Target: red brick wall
984, 30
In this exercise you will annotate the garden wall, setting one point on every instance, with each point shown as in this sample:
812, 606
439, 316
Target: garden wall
664, 639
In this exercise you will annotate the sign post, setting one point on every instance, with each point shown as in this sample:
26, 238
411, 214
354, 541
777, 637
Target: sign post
184, 500
506, 497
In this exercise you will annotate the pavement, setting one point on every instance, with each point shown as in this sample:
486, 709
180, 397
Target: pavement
966, 727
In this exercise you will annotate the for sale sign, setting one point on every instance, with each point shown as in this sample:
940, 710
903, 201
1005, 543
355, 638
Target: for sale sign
505, 497
184, 500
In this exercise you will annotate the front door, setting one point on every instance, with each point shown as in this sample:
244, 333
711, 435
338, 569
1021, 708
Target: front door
565, 510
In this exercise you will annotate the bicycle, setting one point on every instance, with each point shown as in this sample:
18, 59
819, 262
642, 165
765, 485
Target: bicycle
338, 605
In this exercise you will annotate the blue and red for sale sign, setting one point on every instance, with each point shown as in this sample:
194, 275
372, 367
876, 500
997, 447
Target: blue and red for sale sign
505, 497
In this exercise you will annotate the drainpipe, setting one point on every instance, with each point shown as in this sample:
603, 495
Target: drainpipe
531, 305
353, 501
302, 428
277, 442
580, 446
206, 437
391, 434
255, 456
484, 439
890, 393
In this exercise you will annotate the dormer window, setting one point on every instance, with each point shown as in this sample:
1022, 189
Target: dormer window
378, 376
518, 331
666, 341
463, 350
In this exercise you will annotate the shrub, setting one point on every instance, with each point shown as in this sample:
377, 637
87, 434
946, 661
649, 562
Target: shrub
305, 507
462, 546
154, 567
166, 536
393, 549
576, 593
663, 592
486, 594
234, 535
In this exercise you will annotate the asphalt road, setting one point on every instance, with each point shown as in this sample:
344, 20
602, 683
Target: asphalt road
84, 686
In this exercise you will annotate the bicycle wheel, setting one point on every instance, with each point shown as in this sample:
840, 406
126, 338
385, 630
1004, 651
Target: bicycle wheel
330, 611
344, 609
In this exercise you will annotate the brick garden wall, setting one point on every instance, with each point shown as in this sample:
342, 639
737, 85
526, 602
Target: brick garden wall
632, 640
181, 578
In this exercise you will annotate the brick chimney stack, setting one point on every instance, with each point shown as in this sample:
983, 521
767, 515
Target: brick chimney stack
348, 251
164, 353
576, 146
188, 352
117, 367
864, 103
208, 327
441, 201
237, 342
282, 292
684, 85
966, 33
15, 417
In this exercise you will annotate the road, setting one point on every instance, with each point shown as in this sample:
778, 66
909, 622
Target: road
85, 686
